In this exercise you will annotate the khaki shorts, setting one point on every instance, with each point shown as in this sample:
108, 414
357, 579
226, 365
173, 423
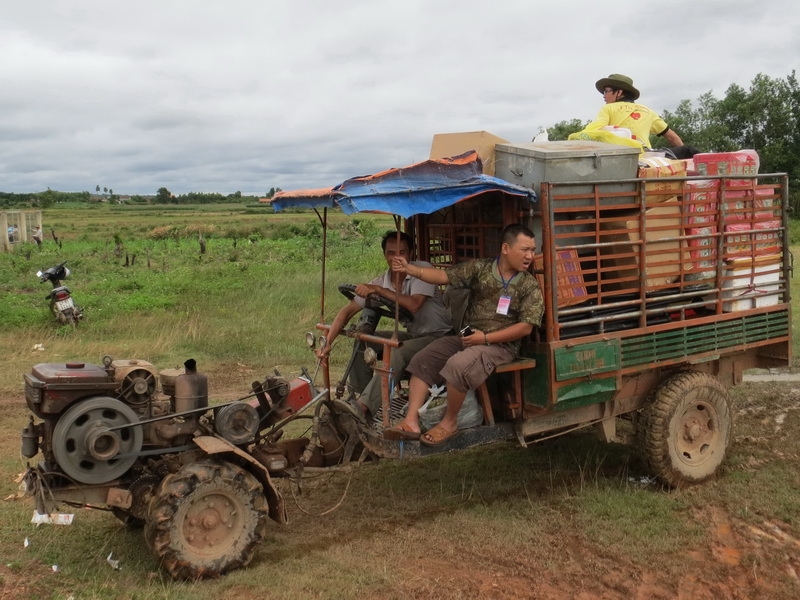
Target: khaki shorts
446, 360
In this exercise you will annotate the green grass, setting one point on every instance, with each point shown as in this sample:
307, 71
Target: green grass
247, 300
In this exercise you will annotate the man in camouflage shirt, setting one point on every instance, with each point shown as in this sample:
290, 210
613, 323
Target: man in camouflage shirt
504, 306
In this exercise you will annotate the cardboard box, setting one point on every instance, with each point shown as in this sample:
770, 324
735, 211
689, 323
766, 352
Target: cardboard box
570, 287
740, 204
741, 162
749, 239
664, 252
752, 283
703, 250
453, 144
662, 190
702, 196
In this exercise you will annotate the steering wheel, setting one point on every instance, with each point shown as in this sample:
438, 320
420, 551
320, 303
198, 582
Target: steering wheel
383, 306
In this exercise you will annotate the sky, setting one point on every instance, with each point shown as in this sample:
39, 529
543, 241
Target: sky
246, 95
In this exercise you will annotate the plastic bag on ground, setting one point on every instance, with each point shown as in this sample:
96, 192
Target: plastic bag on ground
434, 408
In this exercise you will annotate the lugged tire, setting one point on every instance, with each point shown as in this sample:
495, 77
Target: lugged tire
206, 520
686, 428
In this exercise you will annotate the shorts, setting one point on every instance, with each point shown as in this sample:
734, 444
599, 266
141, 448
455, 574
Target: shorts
446, 360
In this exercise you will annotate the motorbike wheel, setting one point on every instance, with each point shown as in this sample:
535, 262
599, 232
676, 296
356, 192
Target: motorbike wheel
206, 520
70, 318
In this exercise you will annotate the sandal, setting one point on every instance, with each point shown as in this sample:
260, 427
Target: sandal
400, 432
436, 436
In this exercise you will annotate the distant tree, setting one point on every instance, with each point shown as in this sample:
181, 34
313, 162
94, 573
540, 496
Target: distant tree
163, 196
110, 191
562, 129
765, 118
97, 189
47, 199
272, 191
105, 190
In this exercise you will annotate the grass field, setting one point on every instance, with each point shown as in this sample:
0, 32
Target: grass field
568, 518
242, 305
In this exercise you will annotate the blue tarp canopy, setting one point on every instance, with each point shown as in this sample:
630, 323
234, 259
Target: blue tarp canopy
422, 188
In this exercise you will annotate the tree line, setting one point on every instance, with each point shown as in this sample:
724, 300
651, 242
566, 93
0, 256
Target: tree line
164, 196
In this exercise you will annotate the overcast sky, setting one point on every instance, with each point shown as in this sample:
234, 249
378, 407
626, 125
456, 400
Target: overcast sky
244, 95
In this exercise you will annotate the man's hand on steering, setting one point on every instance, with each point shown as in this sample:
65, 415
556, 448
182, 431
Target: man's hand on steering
365, 289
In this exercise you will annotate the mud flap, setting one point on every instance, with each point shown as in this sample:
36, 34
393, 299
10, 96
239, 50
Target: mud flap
277, 507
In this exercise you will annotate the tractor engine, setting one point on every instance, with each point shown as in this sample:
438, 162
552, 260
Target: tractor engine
97, 419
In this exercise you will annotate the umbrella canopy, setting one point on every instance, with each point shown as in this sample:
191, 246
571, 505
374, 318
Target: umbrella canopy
421, 188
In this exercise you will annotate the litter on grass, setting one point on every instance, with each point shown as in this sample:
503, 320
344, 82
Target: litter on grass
52, 519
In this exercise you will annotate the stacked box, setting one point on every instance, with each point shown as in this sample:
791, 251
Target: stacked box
741, 162
664, 251
702, 197
753, 238
659, 168
570, 287
752, 283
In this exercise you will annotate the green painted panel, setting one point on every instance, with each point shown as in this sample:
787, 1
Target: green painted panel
710, 337
583, 393
536, 382
586, 359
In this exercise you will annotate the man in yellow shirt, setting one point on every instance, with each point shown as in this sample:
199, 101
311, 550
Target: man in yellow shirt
622, 110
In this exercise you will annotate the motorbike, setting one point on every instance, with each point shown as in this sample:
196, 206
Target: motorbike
62, 305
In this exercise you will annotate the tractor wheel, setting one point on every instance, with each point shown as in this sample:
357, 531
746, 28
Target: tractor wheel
206, 520
686, 428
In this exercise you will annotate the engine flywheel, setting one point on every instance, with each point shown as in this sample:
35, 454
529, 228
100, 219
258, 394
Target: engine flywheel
85, 446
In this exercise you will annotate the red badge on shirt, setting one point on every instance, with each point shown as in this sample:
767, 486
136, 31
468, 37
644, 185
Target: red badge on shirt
636, 116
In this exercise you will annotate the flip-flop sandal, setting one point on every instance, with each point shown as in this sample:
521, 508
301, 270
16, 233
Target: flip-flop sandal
436, 436
399, 432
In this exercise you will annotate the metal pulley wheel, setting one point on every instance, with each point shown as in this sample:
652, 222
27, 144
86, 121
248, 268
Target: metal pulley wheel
84, 447
237, 423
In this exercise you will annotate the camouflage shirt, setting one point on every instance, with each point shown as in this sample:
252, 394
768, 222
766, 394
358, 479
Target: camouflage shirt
486, 287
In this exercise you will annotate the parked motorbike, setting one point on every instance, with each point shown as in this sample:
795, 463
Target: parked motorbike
62, 305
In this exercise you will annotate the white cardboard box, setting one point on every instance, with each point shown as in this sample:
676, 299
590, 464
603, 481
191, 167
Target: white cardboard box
752, 284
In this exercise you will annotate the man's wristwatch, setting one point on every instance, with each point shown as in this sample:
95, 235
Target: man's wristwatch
486, 338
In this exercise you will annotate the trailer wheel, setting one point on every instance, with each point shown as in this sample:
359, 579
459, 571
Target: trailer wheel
206, 520
686, 428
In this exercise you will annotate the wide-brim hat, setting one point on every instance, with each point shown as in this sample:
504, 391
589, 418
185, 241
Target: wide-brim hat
621, 82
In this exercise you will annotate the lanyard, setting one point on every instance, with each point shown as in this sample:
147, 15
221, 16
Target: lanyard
510, 279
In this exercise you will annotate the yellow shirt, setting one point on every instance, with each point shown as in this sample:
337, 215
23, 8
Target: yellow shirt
637, 117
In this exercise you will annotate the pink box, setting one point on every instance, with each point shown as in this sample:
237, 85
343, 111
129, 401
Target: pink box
702, 200
703, 250
750, 239
741, 162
